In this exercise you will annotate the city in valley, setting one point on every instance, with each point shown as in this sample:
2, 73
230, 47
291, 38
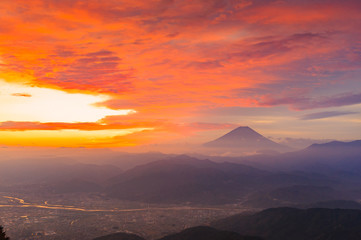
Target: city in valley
180, 119
86, 216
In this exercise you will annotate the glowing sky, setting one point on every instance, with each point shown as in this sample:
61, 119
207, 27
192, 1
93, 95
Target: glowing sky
117, 73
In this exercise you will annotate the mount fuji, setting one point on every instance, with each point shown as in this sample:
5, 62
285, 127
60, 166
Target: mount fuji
246, 139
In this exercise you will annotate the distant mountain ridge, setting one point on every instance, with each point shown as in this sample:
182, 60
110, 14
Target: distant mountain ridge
321, 172
331, 154
185, 179
245, 138
336, 149
355, 143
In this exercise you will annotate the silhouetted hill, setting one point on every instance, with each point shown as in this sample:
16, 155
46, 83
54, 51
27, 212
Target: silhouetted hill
291, 196
246, 139
297, 224
339, 161
127, 161
120, 236
333, 204
194, 233
185, 160
207, 233
327, 156
337, 144
3, 234
333, 153
186, 179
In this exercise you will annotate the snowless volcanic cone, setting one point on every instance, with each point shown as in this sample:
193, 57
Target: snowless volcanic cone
245, 138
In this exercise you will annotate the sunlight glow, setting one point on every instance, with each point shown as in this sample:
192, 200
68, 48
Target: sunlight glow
66, 138
25, 103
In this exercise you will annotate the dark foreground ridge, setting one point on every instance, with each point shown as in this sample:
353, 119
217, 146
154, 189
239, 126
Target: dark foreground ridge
207, 233
297, 224
120, 236
3, 234
273, 224
195, 233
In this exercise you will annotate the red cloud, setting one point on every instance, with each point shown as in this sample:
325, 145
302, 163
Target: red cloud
112, 124
21, 95
94, 71
25, 126
171, 59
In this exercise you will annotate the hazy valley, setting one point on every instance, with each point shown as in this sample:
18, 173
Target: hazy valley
180, 120
162, 194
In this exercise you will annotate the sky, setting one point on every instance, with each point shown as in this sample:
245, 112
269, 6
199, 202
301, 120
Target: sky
122, 73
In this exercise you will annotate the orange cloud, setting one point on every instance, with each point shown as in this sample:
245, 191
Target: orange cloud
21, 94
26, 126
106, 124
169, 60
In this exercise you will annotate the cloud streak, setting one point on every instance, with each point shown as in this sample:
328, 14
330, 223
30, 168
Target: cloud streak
106, 124
21, 95
304, 103
322, 115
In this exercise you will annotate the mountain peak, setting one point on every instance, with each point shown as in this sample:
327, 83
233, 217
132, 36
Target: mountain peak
242, 127
245, 138
244, 130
